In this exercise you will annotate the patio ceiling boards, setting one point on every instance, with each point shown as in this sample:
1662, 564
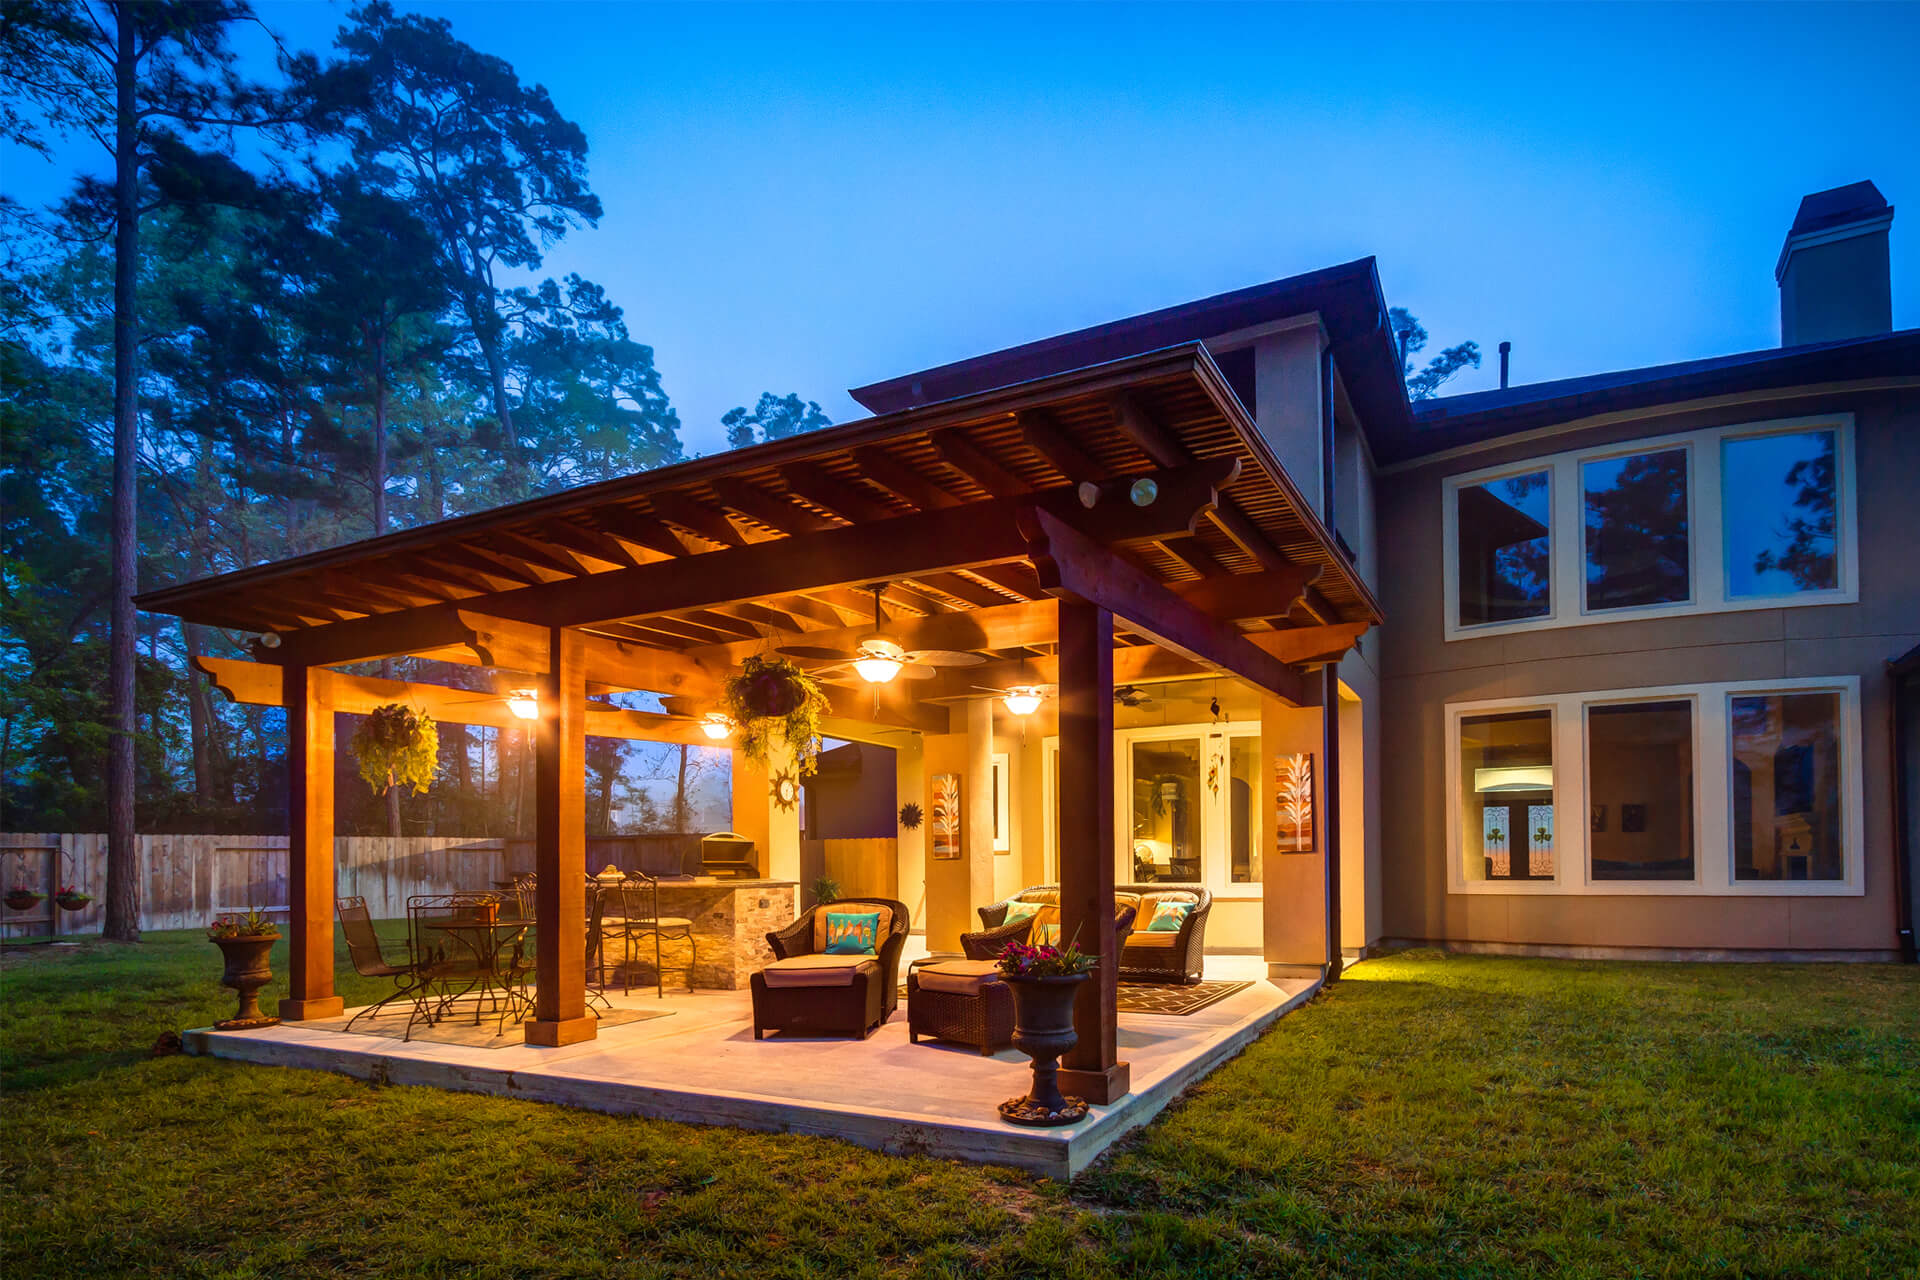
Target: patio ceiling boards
953, 505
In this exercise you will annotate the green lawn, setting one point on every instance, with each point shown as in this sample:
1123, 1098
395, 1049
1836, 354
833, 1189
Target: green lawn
1432, 1115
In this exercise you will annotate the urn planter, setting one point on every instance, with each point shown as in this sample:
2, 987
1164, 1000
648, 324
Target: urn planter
246, 973
1043, 1030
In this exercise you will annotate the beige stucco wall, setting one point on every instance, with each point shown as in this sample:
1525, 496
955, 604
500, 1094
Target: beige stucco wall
1422, 672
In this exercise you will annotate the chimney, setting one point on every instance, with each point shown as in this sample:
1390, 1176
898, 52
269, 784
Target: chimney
1506, 351
1833, 273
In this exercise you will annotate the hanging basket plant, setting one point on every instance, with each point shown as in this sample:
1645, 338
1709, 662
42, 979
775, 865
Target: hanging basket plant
773, 693
397, 746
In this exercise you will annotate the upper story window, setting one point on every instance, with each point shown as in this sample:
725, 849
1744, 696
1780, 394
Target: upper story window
1758, 515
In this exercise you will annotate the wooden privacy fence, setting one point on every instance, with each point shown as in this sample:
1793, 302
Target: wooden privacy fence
862, 866
186, 880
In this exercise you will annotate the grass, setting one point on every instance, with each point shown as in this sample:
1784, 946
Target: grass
1431, 1115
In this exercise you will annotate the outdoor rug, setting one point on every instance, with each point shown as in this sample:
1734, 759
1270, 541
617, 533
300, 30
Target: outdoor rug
391, 1022
1167, 1001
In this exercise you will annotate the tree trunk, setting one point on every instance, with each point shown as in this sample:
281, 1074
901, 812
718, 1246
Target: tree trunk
680, 794
123, 857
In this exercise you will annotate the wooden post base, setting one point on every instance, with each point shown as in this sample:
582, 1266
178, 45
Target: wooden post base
292, 1010
1098, 1087
568, 1031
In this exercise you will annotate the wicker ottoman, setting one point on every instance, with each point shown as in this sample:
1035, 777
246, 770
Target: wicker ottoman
959, 1000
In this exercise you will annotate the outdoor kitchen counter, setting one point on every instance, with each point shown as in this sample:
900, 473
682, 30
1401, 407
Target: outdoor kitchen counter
731, 920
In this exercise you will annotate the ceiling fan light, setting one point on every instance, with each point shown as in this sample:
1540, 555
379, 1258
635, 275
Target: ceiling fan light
524, 703
1023, 700
877, 670
716, 725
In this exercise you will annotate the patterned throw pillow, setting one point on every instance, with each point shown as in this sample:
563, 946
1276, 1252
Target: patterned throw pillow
1168, 917
851, 933
1018, 911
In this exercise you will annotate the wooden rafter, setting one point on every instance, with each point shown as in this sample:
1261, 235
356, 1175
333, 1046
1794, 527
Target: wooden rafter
696, 518
901, 480
824, 489
974, 462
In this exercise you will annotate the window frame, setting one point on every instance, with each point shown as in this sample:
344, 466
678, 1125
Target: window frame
1707, 543
1213, 853
1712, 783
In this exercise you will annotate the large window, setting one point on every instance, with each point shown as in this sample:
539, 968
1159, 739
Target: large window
1635, 517
1503, 568
1640, 790
1506, 810
1713, 788
1786, 786
1743, 517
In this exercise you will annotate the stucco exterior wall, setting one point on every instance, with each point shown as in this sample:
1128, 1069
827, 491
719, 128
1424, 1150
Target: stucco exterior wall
1422, 672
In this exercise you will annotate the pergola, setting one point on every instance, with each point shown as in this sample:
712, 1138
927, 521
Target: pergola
1012, 524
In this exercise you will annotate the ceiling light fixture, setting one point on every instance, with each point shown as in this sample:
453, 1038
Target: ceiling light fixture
716, 725
1023, 699
524, 703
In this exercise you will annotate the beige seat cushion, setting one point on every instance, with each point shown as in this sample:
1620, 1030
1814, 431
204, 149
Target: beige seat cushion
1146, 938
819, 971
958, 977
1127, 900
1166, 895
1049, 896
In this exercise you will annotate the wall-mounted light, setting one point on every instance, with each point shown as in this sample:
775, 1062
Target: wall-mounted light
716, 725
1525, 777
269, 639
1144, 491
1023, 699
524, 703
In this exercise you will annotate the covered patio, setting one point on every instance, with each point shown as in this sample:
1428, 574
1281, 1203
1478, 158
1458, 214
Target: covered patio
1117, 527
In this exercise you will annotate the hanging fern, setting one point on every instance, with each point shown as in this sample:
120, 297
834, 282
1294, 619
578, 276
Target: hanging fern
397, 745
768, 693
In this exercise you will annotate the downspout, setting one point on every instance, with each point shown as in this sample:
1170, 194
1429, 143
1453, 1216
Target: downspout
1901, 670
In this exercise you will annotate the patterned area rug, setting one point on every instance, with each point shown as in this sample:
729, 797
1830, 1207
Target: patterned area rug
391, 1022
1166, 1001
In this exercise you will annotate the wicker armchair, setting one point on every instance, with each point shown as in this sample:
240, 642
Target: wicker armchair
1143, 956
818, 996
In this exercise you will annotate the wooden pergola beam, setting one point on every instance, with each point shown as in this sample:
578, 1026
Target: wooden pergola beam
1072, 565
901, 480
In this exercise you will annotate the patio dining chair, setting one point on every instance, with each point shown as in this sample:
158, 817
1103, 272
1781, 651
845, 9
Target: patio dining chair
630, 911
370, 961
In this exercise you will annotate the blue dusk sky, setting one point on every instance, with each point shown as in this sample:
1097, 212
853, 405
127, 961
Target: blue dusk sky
807, 199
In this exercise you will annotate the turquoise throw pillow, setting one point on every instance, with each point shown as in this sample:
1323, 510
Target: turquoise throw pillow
1168, 917
852, 933
1018, 911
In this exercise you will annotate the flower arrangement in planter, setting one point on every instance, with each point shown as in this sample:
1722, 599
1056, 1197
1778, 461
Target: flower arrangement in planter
21, 898
1045, 981
245, 939
70, 898
396, 745
766, 693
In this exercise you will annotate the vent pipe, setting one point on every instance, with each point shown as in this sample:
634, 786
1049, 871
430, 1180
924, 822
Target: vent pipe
1506, 350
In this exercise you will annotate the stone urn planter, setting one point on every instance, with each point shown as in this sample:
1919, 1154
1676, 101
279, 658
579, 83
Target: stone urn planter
247, 971
1043, 1030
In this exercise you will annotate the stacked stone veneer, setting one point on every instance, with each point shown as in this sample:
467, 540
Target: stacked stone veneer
731, 921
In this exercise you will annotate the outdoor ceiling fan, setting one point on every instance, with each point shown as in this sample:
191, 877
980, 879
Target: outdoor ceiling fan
1132, 695
1021, 699
878, 658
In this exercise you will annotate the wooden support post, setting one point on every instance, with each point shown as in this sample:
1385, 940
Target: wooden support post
1085, 821
309, 850
560, 848
976, 799
1329, 787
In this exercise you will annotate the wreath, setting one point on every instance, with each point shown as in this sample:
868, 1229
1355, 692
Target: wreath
768, 692
397, 745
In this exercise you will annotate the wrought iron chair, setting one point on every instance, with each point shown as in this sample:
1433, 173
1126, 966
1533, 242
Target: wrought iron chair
370, 961
458, 950
630, 911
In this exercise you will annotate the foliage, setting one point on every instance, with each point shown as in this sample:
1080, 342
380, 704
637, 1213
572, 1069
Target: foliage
251, 923
1046, 961
773, 418
1411, 337
1636, 531
1808, 554
397, 745
772, 693
826, 889
21, 894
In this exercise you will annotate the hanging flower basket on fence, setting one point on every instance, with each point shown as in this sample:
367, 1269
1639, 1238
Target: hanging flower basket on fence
766, 693
71, 899
397, 745
21, 898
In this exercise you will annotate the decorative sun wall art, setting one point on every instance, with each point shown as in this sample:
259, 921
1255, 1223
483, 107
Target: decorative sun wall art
1293, 802
945, 822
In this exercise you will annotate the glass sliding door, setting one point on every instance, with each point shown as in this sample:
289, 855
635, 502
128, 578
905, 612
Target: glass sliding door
1193, 808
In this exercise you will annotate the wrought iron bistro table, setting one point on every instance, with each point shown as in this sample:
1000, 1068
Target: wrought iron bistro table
483, 940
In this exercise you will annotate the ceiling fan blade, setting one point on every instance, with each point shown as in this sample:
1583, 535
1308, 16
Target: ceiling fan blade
917, 671
946, 658
816, 653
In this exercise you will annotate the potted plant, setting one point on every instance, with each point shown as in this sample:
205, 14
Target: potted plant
71, 899
245, 939
826, 890
21, 898
773, 693
1045, 981
396, 744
